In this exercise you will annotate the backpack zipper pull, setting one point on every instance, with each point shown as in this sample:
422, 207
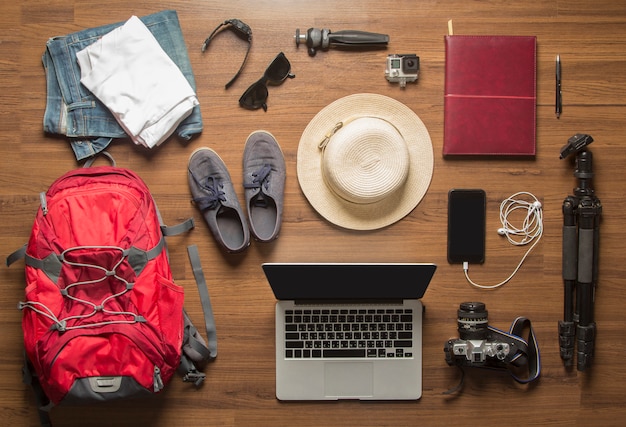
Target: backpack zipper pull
44, 202
158, 381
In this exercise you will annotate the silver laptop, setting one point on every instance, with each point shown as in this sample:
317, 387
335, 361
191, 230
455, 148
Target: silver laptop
348, 331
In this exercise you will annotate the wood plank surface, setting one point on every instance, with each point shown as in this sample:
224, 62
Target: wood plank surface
240, 388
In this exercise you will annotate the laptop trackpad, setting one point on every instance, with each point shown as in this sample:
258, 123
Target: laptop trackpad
348, 379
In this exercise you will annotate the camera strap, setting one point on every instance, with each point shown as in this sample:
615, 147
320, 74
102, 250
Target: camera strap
527, 357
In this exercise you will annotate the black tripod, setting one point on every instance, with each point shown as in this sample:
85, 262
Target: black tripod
581, 219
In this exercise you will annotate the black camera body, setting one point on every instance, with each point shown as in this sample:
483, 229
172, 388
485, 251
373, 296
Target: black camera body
480, 345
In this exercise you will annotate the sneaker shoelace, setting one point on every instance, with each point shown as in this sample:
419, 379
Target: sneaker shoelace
215, 197
260, 181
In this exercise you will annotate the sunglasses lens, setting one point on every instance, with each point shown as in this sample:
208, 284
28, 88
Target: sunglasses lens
279, 69
255, 96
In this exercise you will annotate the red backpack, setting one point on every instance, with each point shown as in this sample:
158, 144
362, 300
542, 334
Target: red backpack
103, 318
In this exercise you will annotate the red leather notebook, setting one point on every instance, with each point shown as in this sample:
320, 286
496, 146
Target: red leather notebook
490, 95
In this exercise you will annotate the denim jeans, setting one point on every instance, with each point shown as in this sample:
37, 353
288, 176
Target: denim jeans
72, 110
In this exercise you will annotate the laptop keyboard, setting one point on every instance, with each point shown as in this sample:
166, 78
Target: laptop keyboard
354, 333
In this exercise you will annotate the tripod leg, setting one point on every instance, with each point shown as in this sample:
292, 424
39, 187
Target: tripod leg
567, 326
587, 241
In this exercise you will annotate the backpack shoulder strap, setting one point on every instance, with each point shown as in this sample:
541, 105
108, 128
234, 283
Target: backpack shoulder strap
16, 255
209, 321
172, 230
195, 349
44, 405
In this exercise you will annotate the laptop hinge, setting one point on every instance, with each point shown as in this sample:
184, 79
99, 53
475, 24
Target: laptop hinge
348, 302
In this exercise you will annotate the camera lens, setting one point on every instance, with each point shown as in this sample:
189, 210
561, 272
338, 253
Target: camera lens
410, 64
472, 321
473, 308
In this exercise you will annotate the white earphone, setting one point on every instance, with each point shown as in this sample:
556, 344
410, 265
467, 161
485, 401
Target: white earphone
530, 229
532, 225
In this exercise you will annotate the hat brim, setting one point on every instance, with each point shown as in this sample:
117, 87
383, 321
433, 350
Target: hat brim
379, 214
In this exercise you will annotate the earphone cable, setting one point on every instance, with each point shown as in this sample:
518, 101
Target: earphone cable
531, 230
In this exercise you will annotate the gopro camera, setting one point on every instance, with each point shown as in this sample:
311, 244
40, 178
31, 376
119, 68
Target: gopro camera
402, 68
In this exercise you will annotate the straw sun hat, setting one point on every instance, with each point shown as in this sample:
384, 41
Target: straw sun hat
365, 161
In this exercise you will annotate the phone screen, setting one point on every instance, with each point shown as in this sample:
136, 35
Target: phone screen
466, 226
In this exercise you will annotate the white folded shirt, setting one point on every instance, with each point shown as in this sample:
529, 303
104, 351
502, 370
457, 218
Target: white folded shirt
143, 88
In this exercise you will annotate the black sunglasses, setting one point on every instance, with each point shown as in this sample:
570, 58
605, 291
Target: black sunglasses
256, 95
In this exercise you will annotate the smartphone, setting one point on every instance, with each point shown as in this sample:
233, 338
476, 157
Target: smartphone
466, 225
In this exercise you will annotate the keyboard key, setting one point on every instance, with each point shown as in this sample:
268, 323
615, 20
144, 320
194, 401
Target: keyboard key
351, 352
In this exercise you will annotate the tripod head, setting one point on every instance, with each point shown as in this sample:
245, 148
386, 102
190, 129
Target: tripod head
583, 164
575, 144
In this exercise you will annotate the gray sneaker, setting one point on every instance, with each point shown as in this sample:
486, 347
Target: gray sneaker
213, 193
264, 184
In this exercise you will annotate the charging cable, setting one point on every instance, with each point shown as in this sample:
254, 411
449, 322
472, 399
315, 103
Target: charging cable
530, 230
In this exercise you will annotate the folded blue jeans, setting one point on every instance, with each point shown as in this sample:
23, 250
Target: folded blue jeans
72, 110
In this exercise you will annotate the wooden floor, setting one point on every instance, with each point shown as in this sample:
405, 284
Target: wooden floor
240, 389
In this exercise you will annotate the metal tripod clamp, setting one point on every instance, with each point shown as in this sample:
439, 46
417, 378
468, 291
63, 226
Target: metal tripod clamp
316, 38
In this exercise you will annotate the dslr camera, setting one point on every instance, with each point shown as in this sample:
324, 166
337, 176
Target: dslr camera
402, 68
479, 344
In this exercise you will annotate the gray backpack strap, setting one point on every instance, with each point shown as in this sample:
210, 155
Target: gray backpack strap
195, 349
92, 159
44, 405
173, 230
209, 322
194, 353
18, 254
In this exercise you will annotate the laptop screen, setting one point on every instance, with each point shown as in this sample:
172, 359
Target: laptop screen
336, 281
